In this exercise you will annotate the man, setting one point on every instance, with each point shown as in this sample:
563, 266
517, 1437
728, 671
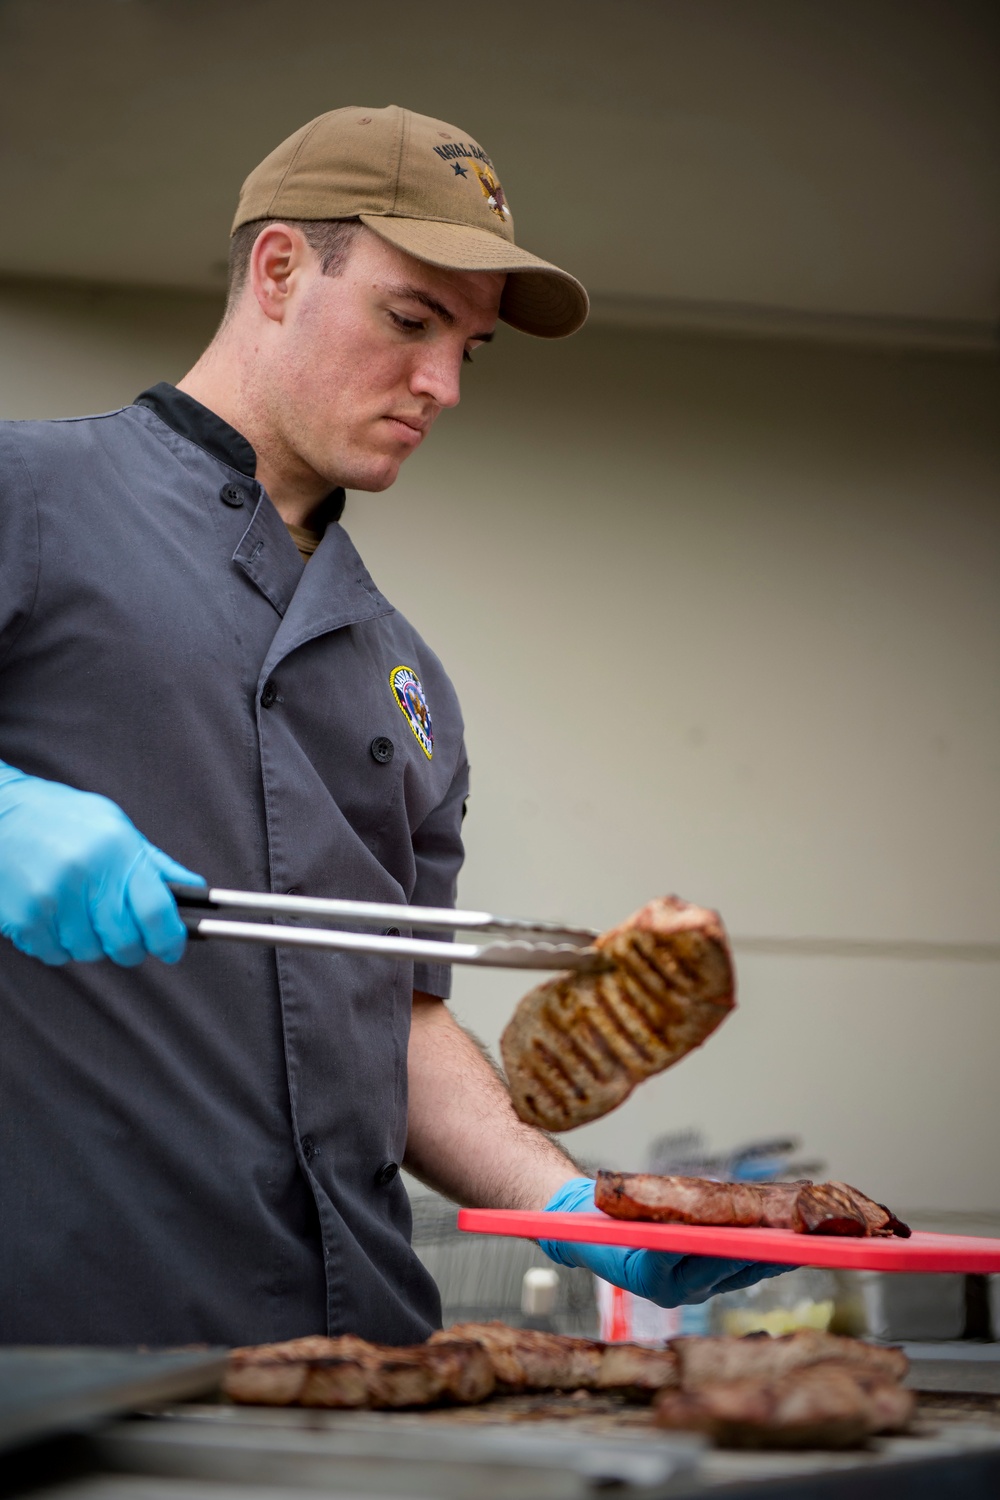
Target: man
209, 1149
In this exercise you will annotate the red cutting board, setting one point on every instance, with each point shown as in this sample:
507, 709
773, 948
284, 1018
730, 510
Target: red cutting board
921, 1252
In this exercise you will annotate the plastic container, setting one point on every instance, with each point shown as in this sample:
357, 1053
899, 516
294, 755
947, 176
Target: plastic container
801, 1298
914, 1306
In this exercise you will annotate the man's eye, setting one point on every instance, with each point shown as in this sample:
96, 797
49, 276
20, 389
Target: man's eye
408, 325
466, 357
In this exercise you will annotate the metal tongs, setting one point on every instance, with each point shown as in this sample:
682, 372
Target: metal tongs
530, 944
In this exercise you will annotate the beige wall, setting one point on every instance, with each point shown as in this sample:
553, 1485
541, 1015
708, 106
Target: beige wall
724, 618
69, 349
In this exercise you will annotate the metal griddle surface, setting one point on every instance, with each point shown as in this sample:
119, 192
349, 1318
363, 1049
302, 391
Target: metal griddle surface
527, 1448
46, 1391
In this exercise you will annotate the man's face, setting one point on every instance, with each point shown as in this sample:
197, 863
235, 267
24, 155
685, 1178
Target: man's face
368, 358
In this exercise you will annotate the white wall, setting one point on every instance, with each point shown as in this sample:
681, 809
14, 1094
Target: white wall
724, 618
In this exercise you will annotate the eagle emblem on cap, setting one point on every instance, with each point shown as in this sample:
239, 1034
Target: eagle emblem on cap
492, 191
408, 691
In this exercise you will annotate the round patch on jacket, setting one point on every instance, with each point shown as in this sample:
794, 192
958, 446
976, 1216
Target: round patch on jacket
408, 691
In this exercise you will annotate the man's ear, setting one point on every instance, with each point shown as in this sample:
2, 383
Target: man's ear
279, 255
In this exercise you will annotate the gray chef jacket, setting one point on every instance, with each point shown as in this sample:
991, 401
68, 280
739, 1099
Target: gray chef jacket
208, 1151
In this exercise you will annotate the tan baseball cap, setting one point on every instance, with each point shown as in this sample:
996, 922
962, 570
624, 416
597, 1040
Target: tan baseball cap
424, 187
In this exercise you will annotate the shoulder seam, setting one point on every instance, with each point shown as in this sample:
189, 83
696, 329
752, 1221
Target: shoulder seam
96, 416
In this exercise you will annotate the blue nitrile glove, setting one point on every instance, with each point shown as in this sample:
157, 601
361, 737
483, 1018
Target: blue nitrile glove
665, 1279
79, 881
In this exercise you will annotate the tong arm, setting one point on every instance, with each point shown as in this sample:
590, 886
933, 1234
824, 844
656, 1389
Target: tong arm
442, 918
500, 955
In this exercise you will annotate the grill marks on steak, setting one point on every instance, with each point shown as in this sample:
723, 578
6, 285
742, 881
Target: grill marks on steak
526, 1359
578, 1044
804, 1207
349, 1372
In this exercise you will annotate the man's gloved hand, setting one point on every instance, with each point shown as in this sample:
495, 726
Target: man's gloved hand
668, 1280
79, 881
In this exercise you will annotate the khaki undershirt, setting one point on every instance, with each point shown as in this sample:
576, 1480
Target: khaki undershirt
307, 541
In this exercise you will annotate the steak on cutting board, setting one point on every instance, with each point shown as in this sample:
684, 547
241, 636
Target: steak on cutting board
578, 1044
804, 1207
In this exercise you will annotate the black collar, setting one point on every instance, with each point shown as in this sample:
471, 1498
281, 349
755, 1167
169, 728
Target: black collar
194, 421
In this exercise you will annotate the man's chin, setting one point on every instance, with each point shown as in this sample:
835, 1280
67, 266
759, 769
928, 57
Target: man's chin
372, 478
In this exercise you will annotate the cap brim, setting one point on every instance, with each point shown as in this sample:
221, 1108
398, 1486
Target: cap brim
538, 298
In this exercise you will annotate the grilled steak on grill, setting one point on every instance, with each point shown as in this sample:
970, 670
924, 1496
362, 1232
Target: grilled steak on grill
350, 1372
528, 1360
805, 1207
806, 1389
827, 1406
577, 1045
707, 1361
634, 1368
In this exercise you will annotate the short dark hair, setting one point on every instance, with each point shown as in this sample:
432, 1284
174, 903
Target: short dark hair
330, 238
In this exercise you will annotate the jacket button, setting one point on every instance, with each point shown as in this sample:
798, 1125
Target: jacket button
382, 749
309, 1147
269, 695
385, 1174
233, 495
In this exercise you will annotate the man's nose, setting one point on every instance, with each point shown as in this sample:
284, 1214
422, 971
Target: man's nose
438, 374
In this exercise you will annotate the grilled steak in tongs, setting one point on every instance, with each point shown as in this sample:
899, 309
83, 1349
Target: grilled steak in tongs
578, 1044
